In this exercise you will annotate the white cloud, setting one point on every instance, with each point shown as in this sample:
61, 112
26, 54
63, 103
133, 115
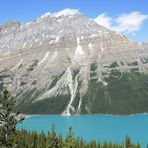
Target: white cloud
67, 12
131, 22
125, 23
104, 20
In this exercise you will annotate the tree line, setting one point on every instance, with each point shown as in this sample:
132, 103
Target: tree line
25, 139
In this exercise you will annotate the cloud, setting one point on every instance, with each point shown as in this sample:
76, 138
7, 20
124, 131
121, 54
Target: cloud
131, 22
127, 23
104, 20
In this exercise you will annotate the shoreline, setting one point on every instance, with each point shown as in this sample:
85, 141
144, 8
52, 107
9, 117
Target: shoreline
111, 115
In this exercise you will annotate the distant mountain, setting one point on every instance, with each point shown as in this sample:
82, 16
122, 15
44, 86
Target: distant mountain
65, 63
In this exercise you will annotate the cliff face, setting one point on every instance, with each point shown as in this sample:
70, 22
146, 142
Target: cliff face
59, 63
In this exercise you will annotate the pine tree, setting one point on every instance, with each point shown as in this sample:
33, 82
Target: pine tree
128, 143
34, 140
41, 141
8, 120
60, 141
52, 138
69, 141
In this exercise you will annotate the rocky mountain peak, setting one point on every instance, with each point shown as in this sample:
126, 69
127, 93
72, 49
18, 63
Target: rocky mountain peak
65, 12
56, 57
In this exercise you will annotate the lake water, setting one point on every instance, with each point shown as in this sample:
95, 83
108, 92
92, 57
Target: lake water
99, 127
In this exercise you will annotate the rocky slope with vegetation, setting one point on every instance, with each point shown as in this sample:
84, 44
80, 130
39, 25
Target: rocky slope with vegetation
65, 63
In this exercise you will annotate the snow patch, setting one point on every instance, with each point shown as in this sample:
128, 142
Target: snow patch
103, 82
30, 45
57, 39
21, 26
79, 50
51, 42
43, 35
27, 24
47, 36
73, 85
90, 46
36, 40
61, 31
94, 35
100, 33
24, 45
105, 33
80, 102
82, 37
102, 47
6, 53
66, 12
44, 58
45, 15
60, 20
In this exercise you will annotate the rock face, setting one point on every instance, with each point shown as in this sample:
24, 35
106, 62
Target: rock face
53, 64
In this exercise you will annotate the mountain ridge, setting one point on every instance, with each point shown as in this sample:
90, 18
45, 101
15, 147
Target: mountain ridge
59, 59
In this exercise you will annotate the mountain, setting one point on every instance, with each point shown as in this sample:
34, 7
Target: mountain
145, 45
65, 63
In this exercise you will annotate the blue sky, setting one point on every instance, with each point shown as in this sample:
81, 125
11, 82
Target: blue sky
115, 14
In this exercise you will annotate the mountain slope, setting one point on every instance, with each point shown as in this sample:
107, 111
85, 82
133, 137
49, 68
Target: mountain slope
65, 63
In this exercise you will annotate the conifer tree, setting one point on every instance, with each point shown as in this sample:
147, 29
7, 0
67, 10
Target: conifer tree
41, 141
60, 141
52, 139
69, 141
128, 143
34, 140
8, 120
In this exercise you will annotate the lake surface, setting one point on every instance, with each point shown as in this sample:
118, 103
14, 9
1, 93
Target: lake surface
99, 127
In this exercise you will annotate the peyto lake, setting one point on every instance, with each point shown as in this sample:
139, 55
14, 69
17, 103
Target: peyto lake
89, 127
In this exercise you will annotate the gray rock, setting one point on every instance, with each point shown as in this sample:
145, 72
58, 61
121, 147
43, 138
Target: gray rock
54, 47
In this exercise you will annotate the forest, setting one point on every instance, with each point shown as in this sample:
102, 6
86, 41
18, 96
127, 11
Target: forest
25, 139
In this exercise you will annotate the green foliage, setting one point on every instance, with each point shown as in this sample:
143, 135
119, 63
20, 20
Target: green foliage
93, 69
8, 120
125, 93
54, 105
133, 63
144, 60
25, 139
52, 139
69, 141
128, 143
114, 65
134, 69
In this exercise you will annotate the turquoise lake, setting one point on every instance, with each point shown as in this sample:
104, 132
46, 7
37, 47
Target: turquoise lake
99, 127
